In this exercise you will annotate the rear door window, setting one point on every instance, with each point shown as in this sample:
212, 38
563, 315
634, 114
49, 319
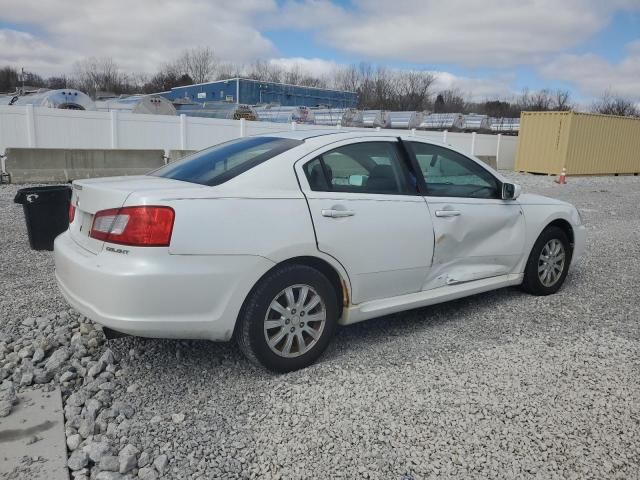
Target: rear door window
220, 163
365, 167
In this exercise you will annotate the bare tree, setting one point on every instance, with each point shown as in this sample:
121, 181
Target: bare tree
11, 80
412, 89
228, 70
562, 101
264, 71
347, 78
498, 108
610, 104
377, 86
166, 79
199, 63
449, 101
536, 101
98, 74
56, 83
8, 79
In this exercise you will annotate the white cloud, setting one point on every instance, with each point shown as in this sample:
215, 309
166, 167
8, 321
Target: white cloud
139, 35
476, 88
593, 75
465, 32
47, 37
312, 66
17, 46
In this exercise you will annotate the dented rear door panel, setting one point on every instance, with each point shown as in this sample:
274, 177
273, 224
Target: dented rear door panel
474, 239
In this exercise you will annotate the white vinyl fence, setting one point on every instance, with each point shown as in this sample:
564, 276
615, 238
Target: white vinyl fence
29, 127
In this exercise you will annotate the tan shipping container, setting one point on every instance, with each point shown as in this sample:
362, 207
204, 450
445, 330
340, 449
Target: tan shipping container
583, 143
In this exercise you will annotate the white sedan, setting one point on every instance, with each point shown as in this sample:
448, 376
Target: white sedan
275, 240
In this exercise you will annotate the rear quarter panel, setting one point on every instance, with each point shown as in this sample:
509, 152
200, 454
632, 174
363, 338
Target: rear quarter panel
268, 227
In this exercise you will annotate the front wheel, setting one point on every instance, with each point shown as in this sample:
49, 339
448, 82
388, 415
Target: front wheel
288, 319
548, 263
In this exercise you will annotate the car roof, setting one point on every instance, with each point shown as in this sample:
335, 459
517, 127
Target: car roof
328, 134
323, 137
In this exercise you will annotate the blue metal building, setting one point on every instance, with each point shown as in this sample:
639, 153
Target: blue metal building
253, 92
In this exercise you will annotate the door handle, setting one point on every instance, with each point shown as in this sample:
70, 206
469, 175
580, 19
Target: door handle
331, 213
448, 213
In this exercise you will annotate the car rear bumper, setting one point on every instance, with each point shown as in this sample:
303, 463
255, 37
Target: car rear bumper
150, 293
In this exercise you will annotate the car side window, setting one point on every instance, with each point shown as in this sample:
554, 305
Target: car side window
450, 174
367, 167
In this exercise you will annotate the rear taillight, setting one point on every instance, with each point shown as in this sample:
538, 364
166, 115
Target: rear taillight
72, 212
135, 226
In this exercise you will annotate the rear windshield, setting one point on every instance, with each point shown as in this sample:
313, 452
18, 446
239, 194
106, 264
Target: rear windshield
218, 164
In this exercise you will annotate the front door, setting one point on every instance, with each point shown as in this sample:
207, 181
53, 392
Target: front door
477, 235
368, 215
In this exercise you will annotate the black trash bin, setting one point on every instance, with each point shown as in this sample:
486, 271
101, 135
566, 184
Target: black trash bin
46, 211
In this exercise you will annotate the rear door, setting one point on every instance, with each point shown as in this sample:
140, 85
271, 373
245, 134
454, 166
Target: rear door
368, 215
477, 235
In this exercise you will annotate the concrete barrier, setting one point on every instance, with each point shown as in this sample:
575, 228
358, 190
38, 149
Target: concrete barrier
175, 155
45, 165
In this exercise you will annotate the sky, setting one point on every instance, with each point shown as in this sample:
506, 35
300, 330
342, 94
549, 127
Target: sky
485, 48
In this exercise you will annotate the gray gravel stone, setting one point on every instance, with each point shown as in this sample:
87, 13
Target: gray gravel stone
128, 458
147, 473
110, 463
78, 459
124, 408
93, 406
108, 475
5, 408
38, 355
95, 370
86, 427
144, 459
67, 376
8, 398
26, 379
57, 358
499, 385
161, 463
77, 399
108, 357
97, 450
73, 441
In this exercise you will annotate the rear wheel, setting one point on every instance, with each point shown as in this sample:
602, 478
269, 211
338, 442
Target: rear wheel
288, 319
548, 263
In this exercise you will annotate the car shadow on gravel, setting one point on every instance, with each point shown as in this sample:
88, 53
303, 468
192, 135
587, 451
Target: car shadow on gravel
358, 340
484, 320
491, 318
426, 326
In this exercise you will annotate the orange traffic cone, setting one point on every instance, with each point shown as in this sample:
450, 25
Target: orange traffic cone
562, 179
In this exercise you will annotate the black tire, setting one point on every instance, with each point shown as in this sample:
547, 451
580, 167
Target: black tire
250, 334
532, 283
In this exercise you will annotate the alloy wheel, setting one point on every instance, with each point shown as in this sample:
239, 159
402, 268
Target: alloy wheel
295, 320
551, 262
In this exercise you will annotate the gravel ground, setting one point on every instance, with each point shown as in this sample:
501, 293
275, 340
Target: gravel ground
499, 385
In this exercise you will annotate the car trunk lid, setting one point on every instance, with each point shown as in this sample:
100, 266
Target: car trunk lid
93, 195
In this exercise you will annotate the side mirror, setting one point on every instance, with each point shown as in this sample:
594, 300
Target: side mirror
510, 191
